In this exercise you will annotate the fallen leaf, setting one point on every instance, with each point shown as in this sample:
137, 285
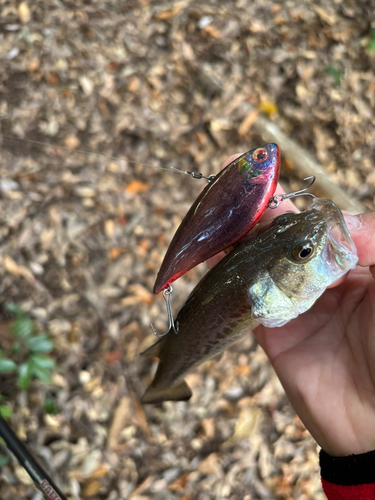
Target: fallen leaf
104, 109
212, 31
87, 85
210, 464
168, 14
134, 84
130, 301
137, 187
109, 228
275, 8
52, 421
142, 293
85, 192
72, 141
330, 19
248, 122
34, 65
243, 369
180, 483
247, 423
208, 426
23, 476
140, 416
113, 356
100, 472
68, 94
279, 19
144, 245
53, 78
24, 12
91, 488
283, 485
268, 107
115, 253
143, 486
13, 268
112, 66
121, 415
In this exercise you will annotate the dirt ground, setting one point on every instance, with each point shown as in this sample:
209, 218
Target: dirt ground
141, 86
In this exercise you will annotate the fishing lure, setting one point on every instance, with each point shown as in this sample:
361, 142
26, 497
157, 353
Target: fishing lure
270, 277
227, 208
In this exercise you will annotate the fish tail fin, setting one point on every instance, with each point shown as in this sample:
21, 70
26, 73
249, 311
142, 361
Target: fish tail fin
179, 392
154, 350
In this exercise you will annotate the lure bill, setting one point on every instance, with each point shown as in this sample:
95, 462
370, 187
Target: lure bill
229, 206
271, 276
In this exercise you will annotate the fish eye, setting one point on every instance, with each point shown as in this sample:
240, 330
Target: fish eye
260, 154
303, 252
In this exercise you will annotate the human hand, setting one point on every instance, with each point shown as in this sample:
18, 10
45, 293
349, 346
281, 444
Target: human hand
325, 358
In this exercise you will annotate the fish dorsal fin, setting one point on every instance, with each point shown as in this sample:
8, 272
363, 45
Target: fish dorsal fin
180, 392
154, 350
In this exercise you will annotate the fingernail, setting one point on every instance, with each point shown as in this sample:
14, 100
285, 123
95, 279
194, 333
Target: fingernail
352, 222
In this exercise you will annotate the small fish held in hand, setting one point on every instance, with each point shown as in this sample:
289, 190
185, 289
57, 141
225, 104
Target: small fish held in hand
270, 277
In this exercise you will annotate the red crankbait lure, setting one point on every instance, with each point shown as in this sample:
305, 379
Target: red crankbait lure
227, 208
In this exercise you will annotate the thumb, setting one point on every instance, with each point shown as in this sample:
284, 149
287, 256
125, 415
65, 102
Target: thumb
362, 230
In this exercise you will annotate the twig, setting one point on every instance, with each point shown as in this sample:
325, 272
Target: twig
305, 165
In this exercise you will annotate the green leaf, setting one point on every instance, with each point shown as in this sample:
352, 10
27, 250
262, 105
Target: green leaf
43, 361
7, 365
337, 74
42, 374
24, 375
371, 46
23, 327
50, 406
3, 460
16, 346
14, 309
5, 411
40, 343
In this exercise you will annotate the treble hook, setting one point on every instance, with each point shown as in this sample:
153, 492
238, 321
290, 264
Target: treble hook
167, 297
275, 201
201, 176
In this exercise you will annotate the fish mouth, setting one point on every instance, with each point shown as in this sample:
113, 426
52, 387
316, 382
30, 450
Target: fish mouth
339, 253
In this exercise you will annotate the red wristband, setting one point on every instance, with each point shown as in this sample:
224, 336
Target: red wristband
348, 478
358, 492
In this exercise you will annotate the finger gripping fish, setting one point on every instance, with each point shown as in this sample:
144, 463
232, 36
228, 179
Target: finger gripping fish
271, 276
229, 206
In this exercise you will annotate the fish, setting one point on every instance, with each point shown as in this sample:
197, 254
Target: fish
272, 275
227, 208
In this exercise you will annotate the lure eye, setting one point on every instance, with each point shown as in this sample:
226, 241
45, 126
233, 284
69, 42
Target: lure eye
303, 252
260, 154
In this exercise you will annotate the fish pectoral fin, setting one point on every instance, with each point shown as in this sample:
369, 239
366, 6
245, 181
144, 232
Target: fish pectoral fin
180, 392
270, 304
154, 350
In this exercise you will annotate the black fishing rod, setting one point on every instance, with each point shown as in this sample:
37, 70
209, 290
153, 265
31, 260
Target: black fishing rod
41, 479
